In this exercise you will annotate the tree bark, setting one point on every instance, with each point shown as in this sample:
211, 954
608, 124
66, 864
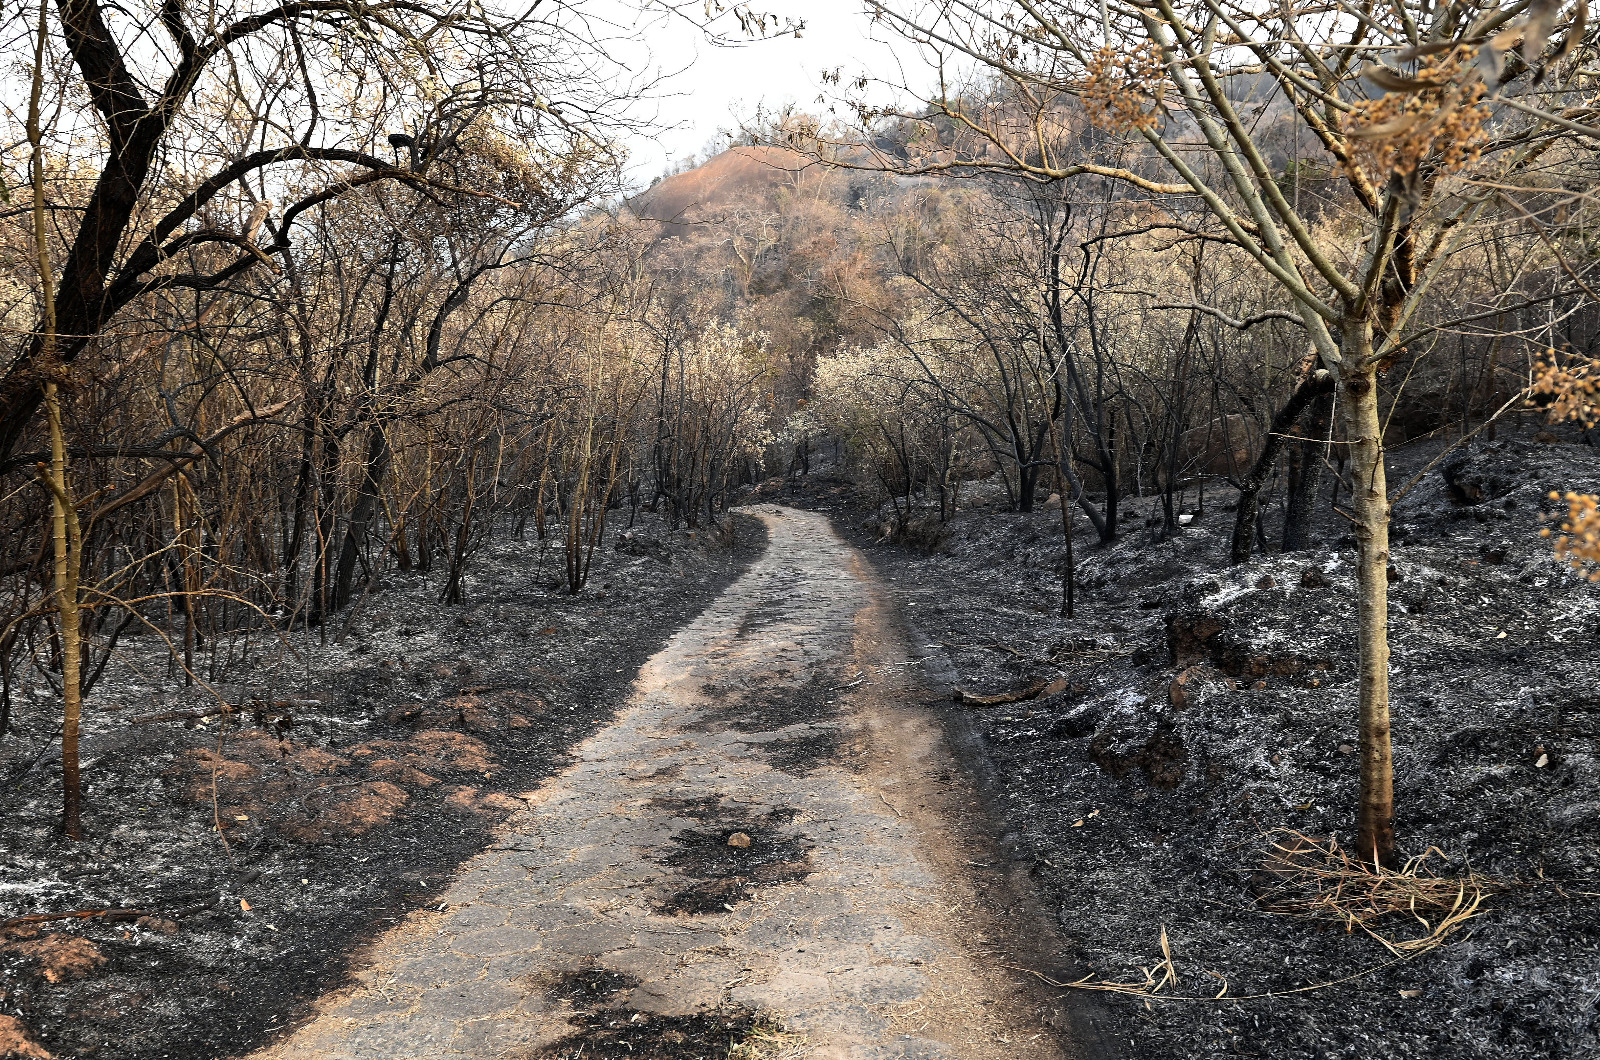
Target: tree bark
1113, 481
1069, 571
67, 538
66, 533
1027, 483
361, 515
1305, 476
1312, 386
1370, 499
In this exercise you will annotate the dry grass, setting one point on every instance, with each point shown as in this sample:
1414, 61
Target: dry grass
1157, 978
960, 1011
1315, 878
768, 1041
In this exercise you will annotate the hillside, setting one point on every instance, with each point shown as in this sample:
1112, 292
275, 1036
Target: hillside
739, 175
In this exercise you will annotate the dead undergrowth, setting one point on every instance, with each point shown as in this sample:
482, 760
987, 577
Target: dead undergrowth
1409, 910
1316, 878
767, 1040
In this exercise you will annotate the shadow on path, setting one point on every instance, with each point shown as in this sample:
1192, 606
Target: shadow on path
768, 847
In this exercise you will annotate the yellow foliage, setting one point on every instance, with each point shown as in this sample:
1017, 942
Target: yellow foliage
1122, 89
1579, 540
1443, 118
1574, 388
1574, 392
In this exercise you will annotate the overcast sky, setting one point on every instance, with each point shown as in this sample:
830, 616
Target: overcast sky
719, 85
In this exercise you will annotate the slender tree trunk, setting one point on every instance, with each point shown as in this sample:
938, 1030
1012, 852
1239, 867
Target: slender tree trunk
67, 541
1313, 385
1113, 484
1027, 483
576, 572
1370, 500
361, 515
295, 541
1069, 572
597, 527
322, 519
65, 532
1176, 408
463, 535
184, 552
398, 517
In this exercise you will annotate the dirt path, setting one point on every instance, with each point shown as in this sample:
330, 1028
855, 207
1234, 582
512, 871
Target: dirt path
864, 917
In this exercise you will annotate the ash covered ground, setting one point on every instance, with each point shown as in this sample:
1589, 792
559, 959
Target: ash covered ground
1205, 707
365, 773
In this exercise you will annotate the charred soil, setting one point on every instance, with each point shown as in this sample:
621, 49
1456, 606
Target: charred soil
1195, 714
235, 860
604, 1028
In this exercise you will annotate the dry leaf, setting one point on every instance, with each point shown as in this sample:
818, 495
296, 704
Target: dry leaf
1390, 81
1541, 20
1489, 60
1580, 22
1507, 38
1543, 761
1411, 993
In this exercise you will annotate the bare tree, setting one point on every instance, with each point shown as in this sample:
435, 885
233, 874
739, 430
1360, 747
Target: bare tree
1472, 91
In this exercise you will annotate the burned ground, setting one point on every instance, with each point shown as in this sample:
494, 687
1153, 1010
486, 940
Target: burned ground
365, 774
590, 986
803, 753
625, 1034
1197, 712
729, 854
1206, 707
812, 709
608, 1029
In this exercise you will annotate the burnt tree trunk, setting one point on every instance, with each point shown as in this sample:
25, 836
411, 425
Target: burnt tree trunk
1305, 476
1314, 385
361, 514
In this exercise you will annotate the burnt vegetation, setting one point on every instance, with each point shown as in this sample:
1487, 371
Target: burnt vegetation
1215, 385
729, 854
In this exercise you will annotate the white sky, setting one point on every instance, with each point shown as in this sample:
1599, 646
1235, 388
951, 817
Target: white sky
719, 85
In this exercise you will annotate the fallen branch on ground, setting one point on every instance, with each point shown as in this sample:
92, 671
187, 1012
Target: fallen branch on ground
972, 699
1035, 690
76, 914
223, 709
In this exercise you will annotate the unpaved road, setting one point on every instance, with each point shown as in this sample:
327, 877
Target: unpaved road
866, 916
